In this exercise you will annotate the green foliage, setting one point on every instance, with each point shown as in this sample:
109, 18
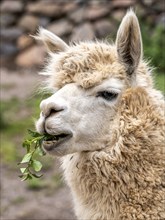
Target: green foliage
160, 81
14, 122
18, 200
33, 149
154, 45
3, 123
8, 151
57, 181
36, 184
50, 184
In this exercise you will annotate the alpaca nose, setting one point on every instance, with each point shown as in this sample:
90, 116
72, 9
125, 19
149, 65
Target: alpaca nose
49, 107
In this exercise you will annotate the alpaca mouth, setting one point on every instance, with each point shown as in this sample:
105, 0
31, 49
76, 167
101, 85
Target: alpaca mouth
55, 141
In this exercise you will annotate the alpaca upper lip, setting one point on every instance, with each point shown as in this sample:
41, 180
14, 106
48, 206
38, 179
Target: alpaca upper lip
52, 143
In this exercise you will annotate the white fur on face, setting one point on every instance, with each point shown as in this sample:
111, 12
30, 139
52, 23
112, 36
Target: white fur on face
83, 114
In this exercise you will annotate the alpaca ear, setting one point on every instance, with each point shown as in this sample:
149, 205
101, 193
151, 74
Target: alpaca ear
129, 43
53, 43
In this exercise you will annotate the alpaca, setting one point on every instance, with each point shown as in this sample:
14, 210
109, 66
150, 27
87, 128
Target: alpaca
109, 125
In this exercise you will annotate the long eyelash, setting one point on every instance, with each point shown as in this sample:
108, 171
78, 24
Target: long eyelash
109, 91
112, 91
107, 95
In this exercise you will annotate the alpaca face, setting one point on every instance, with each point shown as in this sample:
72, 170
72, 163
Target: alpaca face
79, 117
91, 78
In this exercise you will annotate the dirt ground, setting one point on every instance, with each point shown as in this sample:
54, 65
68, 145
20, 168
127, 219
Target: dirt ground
18, 202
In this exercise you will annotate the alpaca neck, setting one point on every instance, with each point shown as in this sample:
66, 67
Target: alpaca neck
91, 186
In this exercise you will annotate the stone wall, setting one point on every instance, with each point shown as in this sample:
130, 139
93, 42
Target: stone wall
70, 20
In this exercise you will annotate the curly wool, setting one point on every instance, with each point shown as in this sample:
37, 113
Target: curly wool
125, 180
88, 64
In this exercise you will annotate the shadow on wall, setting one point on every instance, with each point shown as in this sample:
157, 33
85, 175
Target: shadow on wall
71, 20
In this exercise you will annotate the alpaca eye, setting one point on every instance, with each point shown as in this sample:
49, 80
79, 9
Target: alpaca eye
107, 95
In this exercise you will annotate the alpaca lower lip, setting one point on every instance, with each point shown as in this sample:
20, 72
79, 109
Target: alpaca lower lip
51, 144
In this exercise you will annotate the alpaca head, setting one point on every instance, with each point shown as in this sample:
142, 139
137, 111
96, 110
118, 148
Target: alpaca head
89, 79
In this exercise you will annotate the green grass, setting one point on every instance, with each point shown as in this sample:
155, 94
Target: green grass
159, 79
154, 46
8, 151
14, 126
36, 184
50, 184
154, 50
18, 200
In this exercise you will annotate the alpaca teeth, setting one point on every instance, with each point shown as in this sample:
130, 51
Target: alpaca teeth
56, 139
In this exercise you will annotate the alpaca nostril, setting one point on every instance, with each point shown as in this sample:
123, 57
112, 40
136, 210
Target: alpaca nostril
47, 112
53, 111
49, 107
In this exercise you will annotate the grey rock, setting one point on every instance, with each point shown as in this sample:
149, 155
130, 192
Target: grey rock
10, 34
161, 20
61, 27
29, 23
12, 6
68, 7
103, 28
159, 5
148, 2
24, 41
83, 32
97, 3
96, 12
8, 49
117, 15
140, 10
7, 19
44, 21
122, 3
34, 56
78, 15
43, 8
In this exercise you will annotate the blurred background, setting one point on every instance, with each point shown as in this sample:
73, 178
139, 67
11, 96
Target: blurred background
21, 59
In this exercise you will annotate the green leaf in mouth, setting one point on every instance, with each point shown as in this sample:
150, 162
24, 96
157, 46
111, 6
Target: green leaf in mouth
26, 158
36, 165
33, 146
